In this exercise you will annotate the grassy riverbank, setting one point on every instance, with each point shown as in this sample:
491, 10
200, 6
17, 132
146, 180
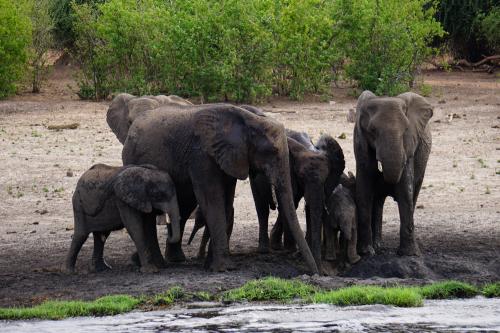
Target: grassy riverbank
267, 289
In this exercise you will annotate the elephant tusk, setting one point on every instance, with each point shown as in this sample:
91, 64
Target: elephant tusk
379, 166
273, 194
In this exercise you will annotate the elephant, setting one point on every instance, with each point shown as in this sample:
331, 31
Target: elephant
125, 108
340, 218
110, 198
392, 143
206, 149
314, 172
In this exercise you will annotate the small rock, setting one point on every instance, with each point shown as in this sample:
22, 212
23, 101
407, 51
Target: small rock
342, 136
437, 121
69, 173
455, 98
441, 101
332, 102
11, 232
456, 116
36, 223
68, 228
52, 232
41, 212
495, 126
33, 231
420, 206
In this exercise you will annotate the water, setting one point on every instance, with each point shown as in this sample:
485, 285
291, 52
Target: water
478, 314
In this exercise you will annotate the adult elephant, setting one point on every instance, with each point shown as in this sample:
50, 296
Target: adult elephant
392, 143
125, 108
206, 149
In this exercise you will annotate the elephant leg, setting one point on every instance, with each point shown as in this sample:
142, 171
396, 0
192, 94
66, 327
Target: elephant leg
277, 234
98, 262
229, 202
364, 204
289, 243
211, 196
315, 205
377, 211
150, 233
203, 244
262, 208
133, 221
329, 242
76, 244
352, 253
404, 196
173, 251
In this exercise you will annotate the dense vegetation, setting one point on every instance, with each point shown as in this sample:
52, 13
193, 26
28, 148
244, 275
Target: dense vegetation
237, 50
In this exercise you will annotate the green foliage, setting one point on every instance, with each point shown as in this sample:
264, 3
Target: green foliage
448, 289
270, 288
425, 90
385, 41
491, 290
15, 38
362, 295
42, 41
245, 50
490, 28
461, 21
108, 305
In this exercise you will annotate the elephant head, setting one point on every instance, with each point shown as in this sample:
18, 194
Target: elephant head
125, 108
148, 190
389, 129
240, 141
336, 161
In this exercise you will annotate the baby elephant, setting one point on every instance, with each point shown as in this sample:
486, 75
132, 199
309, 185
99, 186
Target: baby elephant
341, 219
109, 198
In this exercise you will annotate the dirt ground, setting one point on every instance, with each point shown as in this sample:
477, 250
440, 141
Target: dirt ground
457, 221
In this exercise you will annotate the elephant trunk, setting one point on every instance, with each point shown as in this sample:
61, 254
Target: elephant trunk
283, 188
171, 208
391, 161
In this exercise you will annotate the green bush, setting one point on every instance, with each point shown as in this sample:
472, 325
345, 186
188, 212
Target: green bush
384, 41
492, 290
268, 289
490, 28
15, 38
448, 289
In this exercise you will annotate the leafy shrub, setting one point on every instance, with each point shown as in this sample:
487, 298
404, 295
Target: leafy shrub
461, 21
490, 27
492, 290
384, 41
448, 289
270, 288
42, 41
15, 38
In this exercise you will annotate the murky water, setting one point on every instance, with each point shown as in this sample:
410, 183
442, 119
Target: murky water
478, 314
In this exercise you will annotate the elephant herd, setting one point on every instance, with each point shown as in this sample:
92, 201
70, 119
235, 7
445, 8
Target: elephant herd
178, 157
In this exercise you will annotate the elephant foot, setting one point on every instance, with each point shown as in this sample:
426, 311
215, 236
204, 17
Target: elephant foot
329, 269
409, 249
134, 258
175, 254
263, 248
101, 266
366, 251
276, 245
221, 265
149, 269
377, 244
68, 270
290, 248
354, 259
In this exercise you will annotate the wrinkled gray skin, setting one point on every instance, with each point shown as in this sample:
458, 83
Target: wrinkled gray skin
206, 149
109, 198
314, 172
125, 108
392, 143
340, 223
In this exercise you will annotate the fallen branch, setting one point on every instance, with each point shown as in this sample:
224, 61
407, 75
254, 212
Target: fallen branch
64, 126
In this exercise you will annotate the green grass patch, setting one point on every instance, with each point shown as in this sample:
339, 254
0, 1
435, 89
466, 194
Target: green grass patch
168, 297
448, 289
491, 290
363, 295
268, 289
108, 305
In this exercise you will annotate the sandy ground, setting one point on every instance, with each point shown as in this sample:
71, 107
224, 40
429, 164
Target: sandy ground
457, 223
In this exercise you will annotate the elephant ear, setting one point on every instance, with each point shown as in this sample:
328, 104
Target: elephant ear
137, 106
117, 116
418, 111
130, 186
223, 135
362, 118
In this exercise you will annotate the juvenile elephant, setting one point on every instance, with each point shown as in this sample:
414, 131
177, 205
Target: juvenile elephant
109, 198
206, 149
341, 220
392, 143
